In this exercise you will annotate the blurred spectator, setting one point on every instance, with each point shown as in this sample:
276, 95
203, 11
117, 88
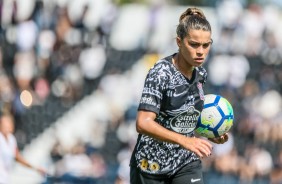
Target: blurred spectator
9, 152
276, 174
92, 61
74, 167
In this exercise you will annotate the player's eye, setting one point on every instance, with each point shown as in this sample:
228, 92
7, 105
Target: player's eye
206, 45
194, 45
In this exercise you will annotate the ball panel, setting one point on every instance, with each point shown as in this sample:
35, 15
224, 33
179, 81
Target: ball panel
226, 126
205, 131
209, 116
225, 106
209, 98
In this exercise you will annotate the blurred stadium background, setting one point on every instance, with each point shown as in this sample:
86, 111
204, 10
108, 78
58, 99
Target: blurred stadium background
71, 72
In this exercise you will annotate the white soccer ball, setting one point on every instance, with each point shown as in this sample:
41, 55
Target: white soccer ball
216, 118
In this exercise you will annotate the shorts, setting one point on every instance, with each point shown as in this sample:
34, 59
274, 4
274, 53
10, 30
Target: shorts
189, 174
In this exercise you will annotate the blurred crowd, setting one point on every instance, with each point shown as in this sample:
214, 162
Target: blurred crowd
51, 54
46, 51
57, 48
246, 68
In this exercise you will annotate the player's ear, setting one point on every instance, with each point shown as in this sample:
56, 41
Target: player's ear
178, 41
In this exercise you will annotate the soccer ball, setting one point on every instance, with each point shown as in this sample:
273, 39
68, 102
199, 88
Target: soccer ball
216, 118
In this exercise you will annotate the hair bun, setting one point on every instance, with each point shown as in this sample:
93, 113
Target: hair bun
192, 12
192, 19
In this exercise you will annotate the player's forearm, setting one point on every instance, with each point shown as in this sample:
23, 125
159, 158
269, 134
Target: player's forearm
153, 129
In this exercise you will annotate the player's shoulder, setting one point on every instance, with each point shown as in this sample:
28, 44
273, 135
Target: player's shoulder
201, 70
202, 73
163, 65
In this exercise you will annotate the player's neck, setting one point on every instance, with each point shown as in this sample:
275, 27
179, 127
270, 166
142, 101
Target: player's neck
182, 66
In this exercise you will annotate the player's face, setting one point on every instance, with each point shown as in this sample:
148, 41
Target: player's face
195, 47
6, 125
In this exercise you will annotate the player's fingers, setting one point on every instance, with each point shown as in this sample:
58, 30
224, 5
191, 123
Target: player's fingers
200, 148
216, 140
205, 151
196, 150
222, 139
199, 153
219, 140
226, 137
204, 148
208, 144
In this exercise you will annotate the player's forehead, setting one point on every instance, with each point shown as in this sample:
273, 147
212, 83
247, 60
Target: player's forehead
199, 36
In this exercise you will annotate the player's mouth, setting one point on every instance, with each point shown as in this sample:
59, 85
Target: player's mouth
199, 60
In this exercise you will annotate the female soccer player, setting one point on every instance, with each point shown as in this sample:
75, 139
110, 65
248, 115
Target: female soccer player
9, 151
167, 152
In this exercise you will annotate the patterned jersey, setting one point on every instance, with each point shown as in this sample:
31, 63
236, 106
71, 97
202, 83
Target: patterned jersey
177, 101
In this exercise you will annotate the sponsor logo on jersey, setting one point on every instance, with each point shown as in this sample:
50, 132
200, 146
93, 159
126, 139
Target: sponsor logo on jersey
151, 91
195, 180
186, 121
148, 100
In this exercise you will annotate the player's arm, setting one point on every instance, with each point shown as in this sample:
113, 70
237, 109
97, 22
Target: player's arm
20, 159
146, 125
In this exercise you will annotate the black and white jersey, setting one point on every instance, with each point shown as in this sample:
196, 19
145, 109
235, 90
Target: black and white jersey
177, 101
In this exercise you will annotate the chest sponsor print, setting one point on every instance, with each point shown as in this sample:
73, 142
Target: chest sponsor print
186, 121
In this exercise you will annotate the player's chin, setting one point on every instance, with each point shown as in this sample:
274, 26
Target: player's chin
197, 64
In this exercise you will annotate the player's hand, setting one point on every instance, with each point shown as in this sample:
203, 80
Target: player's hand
220, 140
200, 147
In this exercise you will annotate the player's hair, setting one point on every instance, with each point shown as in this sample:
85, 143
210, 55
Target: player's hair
192, 18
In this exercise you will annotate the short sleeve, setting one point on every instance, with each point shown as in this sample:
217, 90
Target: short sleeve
154, 87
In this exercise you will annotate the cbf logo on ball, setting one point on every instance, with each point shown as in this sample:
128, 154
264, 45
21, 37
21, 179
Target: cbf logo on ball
186, 121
